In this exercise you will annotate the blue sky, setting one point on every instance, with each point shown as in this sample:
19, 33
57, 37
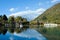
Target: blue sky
25, 7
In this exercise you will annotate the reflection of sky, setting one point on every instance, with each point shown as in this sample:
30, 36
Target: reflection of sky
29, 34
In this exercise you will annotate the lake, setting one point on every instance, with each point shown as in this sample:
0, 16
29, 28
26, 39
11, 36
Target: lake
29, 34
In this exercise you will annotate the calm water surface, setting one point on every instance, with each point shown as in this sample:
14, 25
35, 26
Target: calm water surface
29, 34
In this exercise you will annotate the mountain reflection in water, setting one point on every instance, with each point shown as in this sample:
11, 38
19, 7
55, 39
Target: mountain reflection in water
29, 34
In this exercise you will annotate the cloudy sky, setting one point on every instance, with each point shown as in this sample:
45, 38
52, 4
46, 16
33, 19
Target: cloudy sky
26, 8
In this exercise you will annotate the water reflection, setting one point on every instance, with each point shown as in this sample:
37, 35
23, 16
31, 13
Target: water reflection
11, 30
29, 34
16, 33
13, 27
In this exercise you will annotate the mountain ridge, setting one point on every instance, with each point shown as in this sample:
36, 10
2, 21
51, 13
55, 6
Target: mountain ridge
50, 15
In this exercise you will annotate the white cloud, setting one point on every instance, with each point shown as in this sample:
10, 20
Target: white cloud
28, 13
40, 10
11, 9
54, 1
21, 13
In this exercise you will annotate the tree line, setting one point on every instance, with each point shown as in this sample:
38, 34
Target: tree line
9, 23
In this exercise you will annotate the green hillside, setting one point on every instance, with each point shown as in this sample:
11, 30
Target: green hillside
51, 15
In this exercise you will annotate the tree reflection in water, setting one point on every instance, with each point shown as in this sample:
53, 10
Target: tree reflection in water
12, 28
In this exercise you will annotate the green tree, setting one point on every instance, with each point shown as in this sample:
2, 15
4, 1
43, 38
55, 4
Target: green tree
0, 18
18, 18
4, 18
24, 20
11, 21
